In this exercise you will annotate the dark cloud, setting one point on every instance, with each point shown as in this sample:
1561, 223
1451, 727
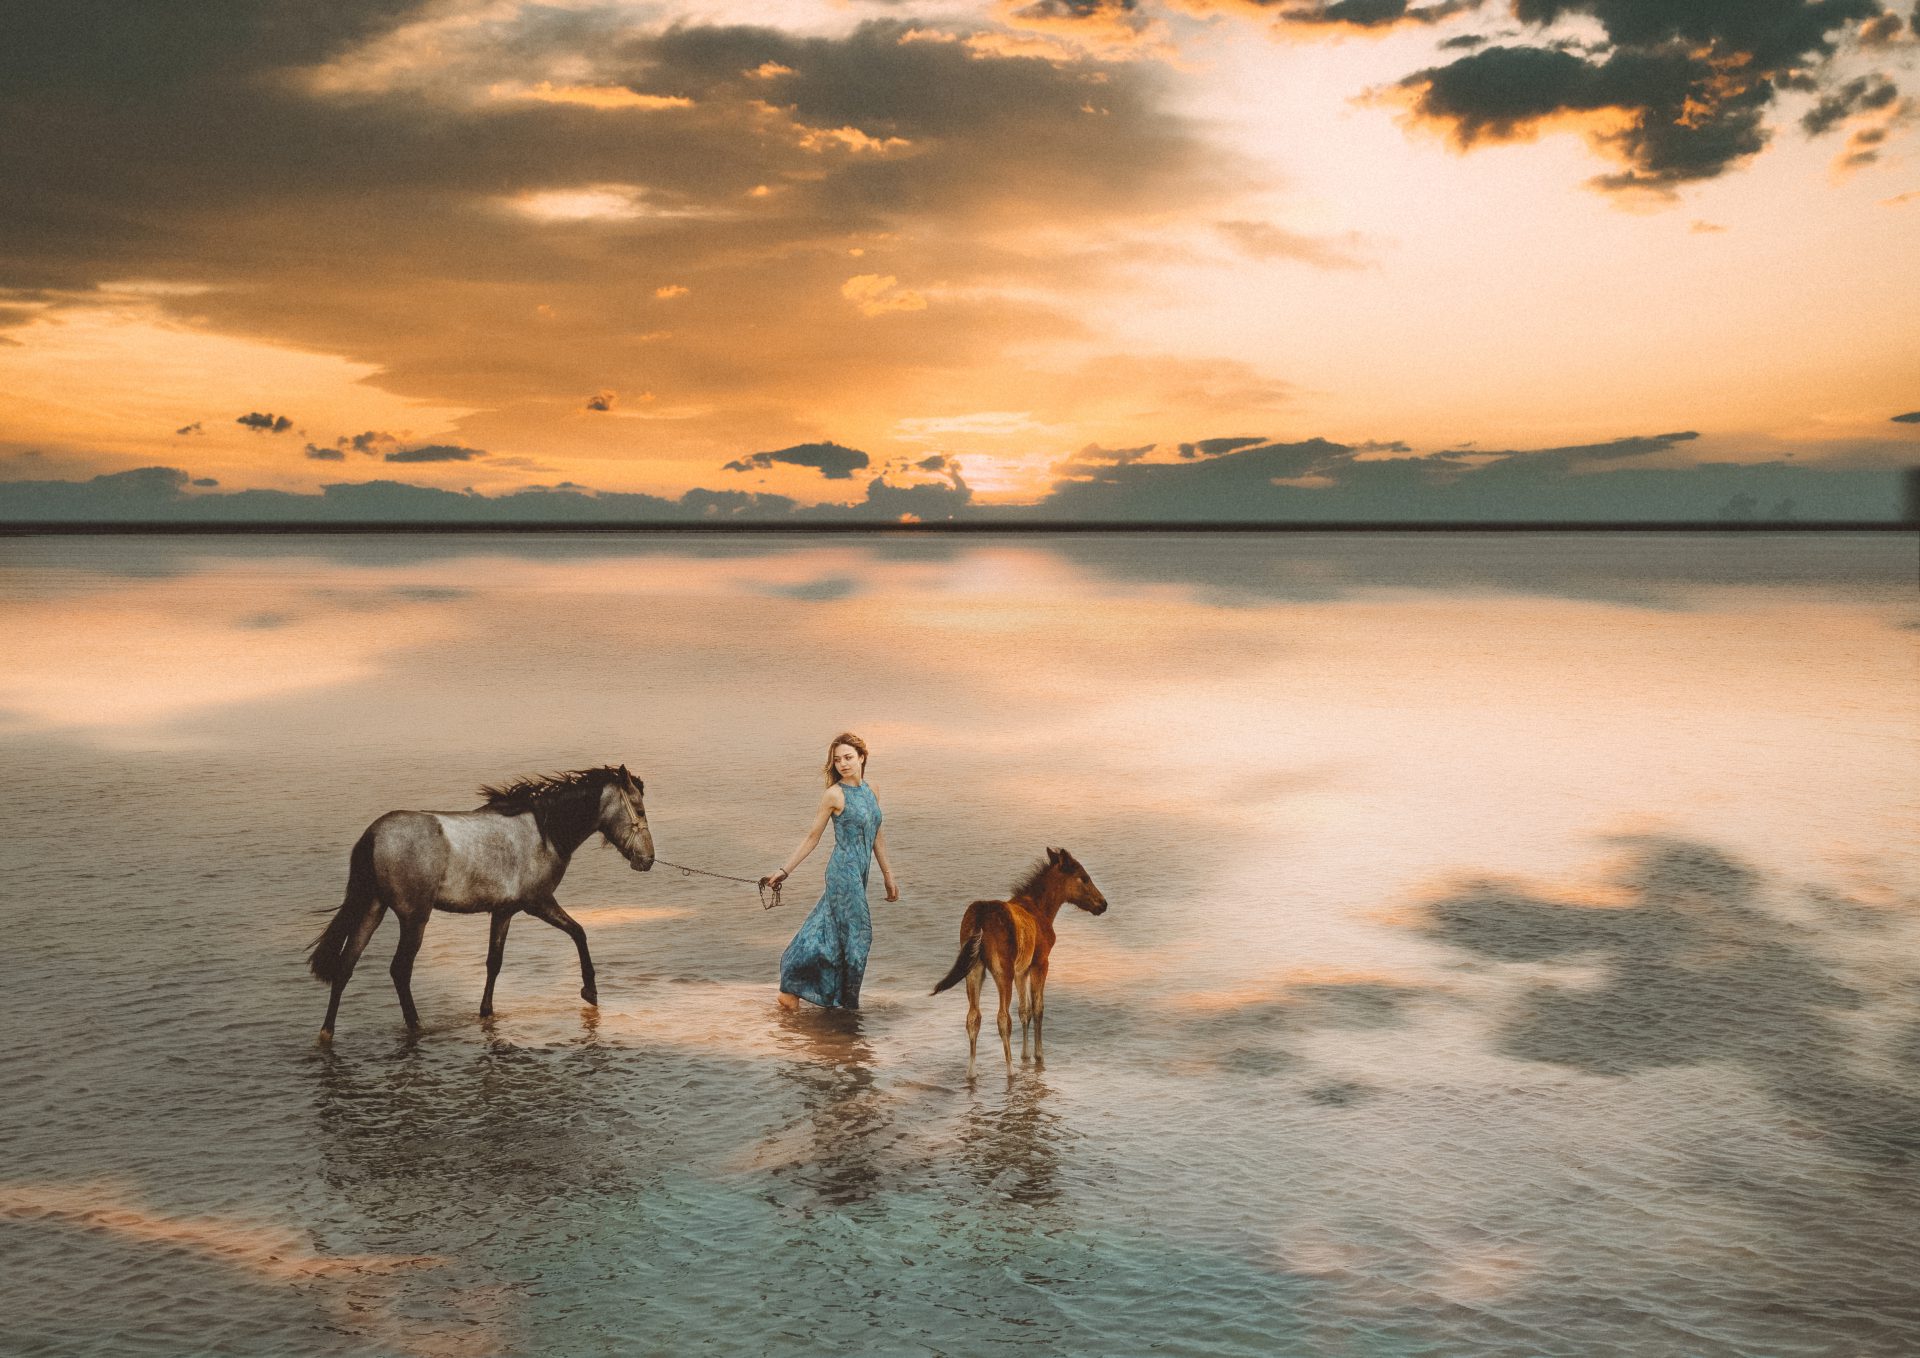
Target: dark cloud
436, 452
265, 424
1865, 95
602, 400
1372, 14
1685, 84
369, 443
1078, 11
1911, 417
1309, 482
927, 501
1319, 481
1214, 447
204, 481
193, 428
1883, 31
936, 463
1464, 42
392, 212
831, 460
319, 454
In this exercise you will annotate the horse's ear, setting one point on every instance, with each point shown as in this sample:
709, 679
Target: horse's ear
625, 777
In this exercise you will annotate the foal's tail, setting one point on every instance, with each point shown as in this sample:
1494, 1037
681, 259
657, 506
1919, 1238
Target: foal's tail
970, 943
969, 959
327, 955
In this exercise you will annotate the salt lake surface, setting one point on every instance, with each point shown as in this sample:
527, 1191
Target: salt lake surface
1513, 948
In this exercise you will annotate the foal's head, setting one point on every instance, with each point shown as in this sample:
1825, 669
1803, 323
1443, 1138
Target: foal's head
623, 817
1078, 888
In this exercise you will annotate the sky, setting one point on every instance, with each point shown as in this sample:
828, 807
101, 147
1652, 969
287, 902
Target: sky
1325, 258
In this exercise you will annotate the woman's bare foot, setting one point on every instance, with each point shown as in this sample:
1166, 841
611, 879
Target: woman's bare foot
789, 1001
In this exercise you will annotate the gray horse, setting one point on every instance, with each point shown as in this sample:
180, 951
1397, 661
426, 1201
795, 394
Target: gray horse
503, 858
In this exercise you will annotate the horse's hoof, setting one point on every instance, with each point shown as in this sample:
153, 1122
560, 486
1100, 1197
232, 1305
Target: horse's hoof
590, 995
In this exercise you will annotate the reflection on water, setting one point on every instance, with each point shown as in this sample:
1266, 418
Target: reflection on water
1373, 1054
1694, 970
1012, 1147
844, 1121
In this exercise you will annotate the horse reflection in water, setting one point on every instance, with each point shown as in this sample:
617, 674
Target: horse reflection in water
505, 857
477, 1159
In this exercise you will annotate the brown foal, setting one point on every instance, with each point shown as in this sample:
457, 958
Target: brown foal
1012, 939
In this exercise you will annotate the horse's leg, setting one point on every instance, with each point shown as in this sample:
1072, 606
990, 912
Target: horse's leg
548, 909
974, 978
496, 950
413, 925
350, 955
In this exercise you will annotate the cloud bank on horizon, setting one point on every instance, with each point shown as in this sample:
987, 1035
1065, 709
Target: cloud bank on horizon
1006, 236
1222, 480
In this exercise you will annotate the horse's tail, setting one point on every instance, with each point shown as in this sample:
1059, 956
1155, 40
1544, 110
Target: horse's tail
969, 957
328, 952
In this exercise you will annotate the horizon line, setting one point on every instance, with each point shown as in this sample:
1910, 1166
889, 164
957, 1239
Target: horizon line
468, 527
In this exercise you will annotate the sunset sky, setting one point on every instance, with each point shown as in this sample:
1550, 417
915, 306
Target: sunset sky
798, 246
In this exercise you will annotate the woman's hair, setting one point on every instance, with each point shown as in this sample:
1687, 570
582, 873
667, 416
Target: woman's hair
844, 738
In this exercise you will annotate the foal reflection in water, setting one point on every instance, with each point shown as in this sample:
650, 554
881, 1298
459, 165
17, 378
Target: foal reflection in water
503, 858
1013, 939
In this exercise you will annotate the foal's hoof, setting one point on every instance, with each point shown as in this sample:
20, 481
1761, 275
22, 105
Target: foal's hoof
326, 1037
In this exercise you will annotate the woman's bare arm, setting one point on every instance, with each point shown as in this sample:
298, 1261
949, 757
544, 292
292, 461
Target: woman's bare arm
830, 803
886, 869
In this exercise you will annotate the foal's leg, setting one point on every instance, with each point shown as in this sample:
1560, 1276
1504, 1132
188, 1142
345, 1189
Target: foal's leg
1037, 1007
1026, 1009
974, 978
412, 928
548, 909
1004, 982
496, 950
350, 955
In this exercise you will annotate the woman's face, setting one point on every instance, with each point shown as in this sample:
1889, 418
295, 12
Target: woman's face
846, 763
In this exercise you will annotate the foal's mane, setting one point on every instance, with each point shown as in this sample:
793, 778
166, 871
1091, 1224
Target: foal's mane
1029, 885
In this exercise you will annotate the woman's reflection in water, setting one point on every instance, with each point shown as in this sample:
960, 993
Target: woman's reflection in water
850, 1122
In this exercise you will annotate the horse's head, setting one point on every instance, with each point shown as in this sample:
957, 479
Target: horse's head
623, 818
1080, 889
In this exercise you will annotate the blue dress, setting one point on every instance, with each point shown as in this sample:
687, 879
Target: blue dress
828, 955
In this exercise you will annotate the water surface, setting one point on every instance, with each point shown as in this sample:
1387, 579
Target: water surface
1512, 948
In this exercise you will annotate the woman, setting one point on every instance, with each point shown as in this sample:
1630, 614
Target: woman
828, 956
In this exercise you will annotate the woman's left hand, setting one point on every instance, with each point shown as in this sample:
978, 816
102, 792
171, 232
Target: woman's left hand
893, 890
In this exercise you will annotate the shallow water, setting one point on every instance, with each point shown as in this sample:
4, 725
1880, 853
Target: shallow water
1512, 949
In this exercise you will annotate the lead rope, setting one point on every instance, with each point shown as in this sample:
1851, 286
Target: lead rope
768, 887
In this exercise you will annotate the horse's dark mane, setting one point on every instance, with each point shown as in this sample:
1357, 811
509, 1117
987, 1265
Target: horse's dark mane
536, 790
562, 803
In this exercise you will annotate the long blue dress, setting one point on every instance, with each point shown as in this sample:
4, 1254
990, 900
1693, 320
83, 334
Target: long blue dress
828, 955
